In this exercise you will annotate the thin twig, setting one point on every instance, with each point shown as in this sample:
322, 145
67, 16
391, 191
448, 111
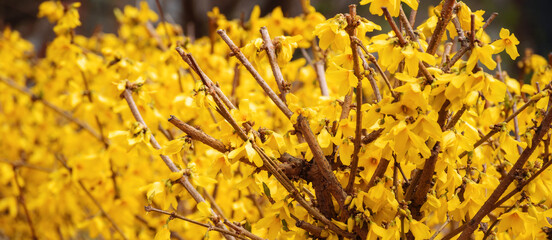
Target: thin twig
489, 20
208, 226
240, 229
189, 59
446, 53
403, 42
378, 173
413, 14
321, 76
369, 75
236, 51
455, 118
318, 65
276, 71
351, 30
406, 23
446, 14
235, 84
374, 61
198, 134
26, 165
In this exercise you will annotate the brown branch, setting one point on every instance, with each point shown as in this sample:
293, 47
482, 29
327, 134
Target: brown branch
240, 229
424, 183
508, 179
314, 230
406, 23
198, 134
374, 61
206, 225
325, 169
440, 229
378, 173
371, 79
455, 118
521, 185
154, 35
465, 47
189, 59
236, 51
403, 42
489, 20
461, 36
413, 14
318, 65
394, 26
351, 30
446, 14
372, 136
455, 58
446, 53
235, 84
276, 71
321, 76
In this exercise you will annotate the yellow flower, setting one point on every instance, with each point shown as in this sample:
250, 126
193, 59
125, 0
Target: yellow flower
332, 32
163, 234
392, 5
419, 230
519, 222
52, 10
507, 41
483, 54
285, 46
413, 57
69, 20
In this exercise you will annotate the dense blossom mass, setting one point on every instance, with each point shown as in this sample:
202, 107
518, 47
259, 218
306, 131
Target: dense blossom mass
278, 127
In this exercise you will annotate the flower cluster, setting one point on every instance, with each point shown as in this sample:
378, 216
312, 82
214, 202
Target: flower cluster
372, 135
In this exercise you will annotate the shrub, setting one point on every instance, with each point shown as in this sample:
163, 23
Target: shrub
401, 134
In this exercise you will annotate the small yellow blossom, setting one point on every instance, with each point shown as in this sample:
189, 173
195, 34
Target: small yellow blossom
53, 10
507, 41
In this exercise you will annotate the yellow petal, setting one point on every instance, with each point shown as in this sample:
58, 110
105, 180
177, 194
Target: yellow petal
173, 146
163, 234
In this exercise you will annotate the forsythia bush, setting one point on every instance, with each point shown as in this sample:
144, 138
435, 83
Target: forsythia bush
279, 128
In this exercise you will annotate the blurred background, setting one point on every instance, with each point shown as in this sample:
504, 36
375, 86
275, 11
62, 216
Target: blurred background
528, 20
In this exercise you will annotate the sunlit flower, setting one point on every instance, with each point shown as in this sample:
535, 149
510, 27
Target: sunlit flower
507, 41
